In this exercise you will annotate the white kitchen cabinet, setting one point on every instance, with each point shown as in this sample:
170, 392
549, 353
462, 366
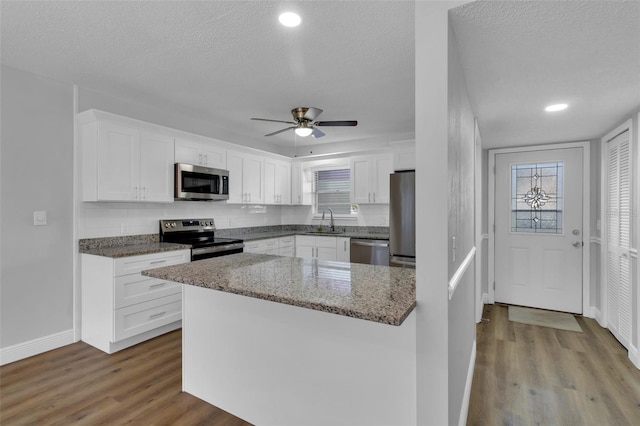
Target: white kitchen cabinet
370, 179
287, 246
343, 249
283, 246
120, 307
246, 178
316, 247
277, 182
123, 161
266, 246
301, 192
200, 153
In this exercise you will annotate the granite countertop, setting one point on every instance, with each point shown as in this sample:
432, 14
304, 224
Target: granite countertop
253, 236
125, 246
375, 293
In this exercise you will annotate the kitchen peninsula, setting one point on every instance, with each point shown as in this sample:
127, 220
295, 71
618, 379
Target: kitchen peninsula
282, 340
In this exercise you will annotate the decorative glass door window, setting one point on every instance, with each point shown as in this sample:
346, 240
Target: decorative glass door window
537, 197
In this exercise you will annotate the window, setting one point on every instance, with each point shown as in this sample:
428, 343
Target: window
537, 197
331, 189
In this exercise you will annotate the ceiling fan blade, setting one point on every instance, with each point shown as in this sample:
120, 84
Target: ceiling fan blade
336, 123
280, 131
274, 121
317, 133
312, 113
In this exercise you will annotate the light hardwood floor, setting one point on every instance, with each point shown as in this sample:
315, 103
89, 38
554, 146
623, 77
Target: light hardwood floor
80, 385
524, 375
529, 375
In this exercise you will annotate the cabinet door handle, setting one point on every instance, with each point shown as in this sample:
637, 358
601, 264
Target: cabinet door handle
200, 159
374, 197
345, 245
158, 315
206, 159
144, 192
249, 197
157, 285
155, 262
369, 197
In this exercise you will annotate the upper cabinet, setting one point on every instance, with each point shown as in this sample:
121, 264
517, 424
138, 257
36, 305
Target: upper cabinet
123, 161
246, 177
200, 153
300, 186
370, 179
277, 182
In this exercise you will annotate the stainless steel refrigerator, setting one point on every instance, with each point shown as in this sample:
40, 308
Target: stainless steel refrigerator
402, 219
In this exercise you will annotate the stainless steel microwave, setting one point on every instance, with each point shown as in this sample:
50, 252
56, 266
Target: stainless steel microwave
200, 183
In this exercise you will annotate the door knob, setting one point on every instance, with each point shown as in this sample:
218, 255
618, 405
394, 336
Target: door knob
577, 244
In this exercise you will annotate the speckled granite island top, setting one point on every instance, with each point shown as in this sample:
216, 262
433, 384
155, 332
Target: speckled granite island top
376, 293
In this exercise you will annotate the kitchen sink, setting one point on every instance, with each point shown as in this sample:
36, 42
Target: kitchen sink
323, 232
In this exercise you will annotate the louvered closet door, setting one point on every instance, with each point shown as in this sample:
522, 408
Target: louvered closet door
618, 237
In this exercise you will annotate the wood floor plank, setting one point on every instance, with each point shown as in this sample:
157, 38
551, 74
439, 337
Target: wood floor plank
531, 375
80, 385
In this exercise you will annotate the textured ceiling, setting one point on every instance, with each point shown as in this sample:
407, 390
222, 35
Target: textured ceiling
519, 57
226, 61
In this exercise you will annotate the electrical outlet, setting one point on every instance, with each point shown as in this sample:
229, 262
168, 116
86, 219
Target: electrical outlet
40, 218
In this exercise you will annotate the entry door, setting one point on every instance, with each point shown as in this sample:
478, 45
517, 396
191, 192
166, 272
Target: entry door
538, 229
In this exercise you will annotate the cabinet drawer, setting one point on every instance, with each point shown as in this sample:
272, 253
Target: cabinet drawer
287, 242
134, 288
305, 240
328, 242
132, 320
270, 244
254, 247
135, 264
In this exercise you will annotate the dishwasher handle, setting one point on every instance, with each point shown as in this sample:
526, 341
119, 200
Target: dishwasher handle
378, 243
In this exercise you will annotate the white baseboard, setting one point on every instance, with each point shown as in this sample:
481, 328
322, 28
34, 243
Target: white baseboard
634, 356
598, 317
35, 347
464, 410
486, 300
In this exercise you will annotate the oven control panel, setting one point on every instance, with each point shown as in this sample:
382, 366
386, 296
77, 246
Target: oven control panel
172, 225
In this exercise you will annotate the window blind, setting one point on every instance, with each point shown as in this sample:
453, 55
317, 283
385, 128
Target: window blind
332, 190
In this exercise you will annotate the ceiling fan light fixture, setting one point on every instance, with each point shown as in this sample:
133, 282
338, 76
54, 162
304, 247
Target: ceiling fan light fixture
556, 107
290, 19
303, 131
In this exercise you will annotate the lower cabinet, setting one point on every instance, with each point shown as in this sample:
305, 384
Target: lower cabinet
343, 249
283, 246
309, 246
120, 307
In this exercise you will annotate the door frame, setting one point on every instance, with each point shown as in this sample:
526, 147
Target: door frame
587, 311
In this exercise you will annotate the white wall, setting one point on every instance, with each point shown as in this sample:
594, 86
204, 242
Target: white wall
434, 389
36, 287
461, 171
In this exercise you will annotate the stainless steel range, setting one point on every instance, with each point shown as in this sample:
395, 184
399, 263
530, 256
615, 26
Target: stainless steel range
200, 234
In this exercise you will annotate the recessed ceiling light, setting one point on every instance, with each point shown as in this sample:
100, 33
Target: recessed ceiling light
290, 19
556, 107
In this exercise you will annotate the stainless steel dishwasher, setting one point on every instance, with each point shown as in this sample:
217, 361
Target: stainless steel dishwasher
371, 252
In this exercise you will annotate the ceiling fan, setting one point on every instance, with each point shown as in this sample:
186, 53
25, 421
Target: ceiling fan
304, 124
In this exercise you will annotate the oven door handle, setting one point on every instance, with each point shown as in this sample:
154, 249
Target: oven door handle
216, 249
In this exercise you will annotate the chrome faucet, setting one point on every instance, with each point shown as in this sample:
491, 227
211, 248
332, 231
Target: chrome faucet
332, 227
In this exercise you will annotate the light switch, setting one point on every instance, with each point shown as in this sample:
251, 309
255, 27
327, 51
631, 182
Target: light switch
40, 218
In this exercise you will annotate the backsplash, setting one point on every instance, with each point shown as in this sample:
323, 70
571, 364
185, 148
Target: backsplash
97, 220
